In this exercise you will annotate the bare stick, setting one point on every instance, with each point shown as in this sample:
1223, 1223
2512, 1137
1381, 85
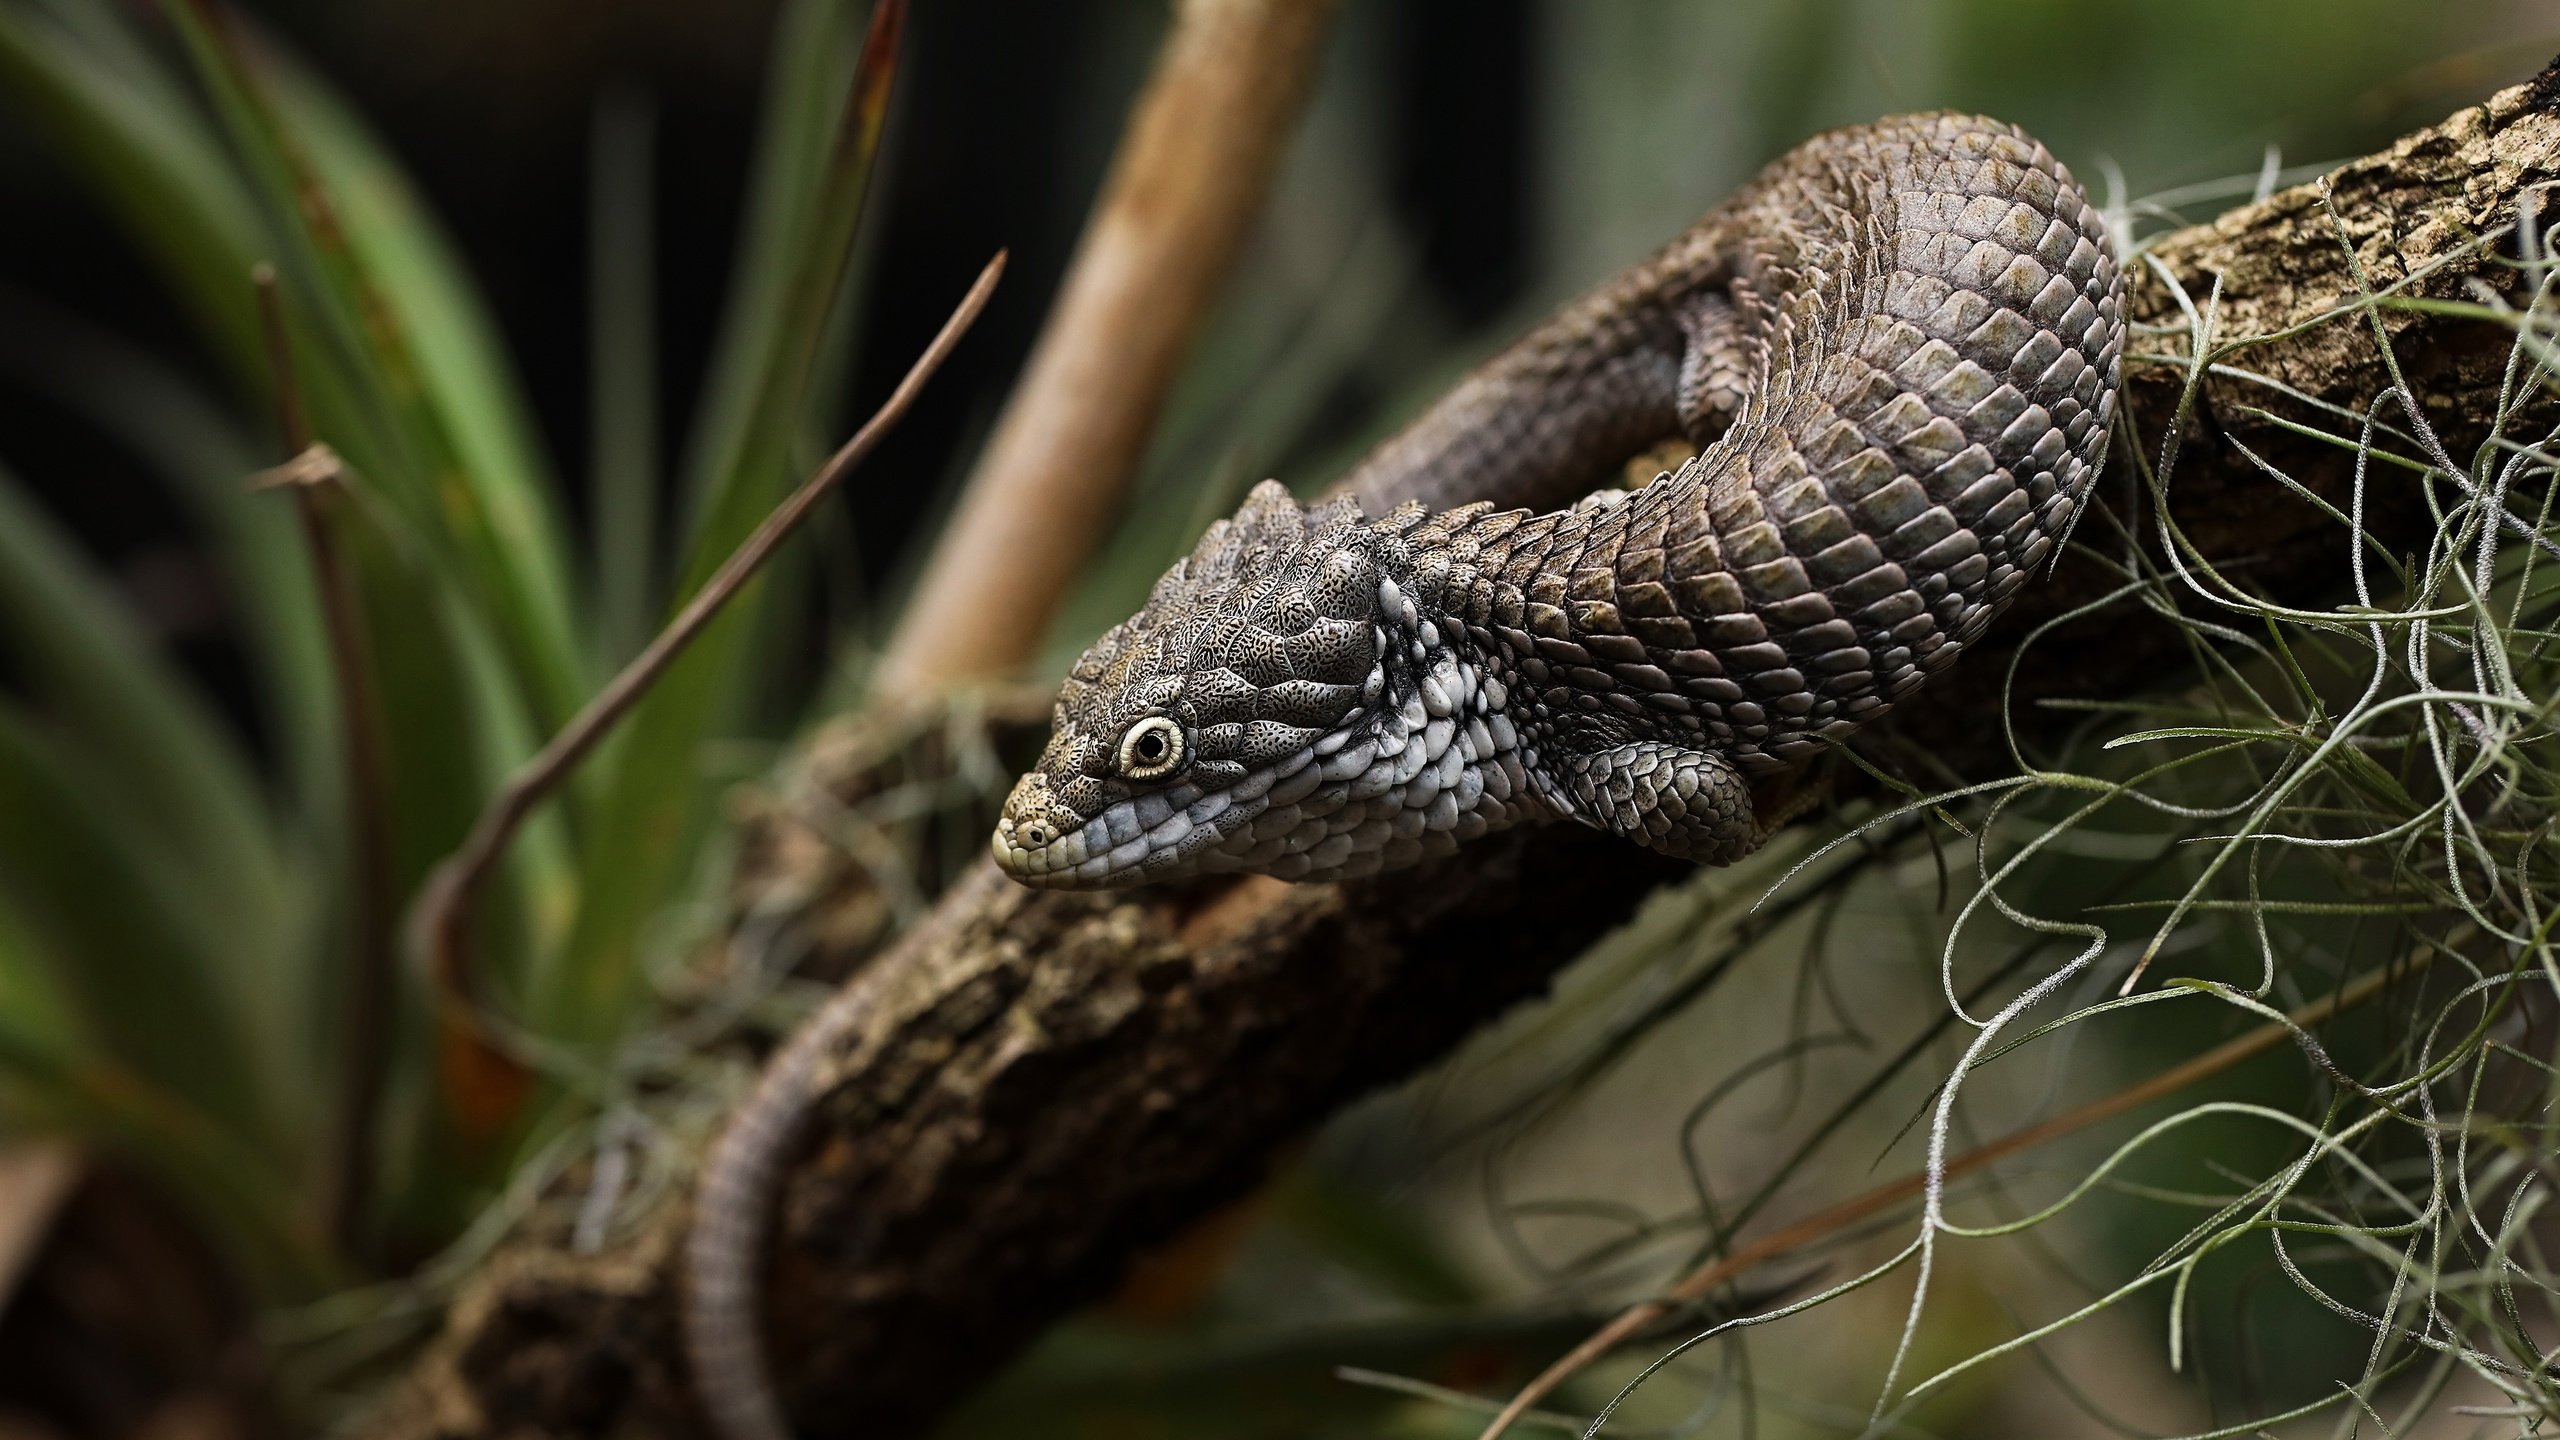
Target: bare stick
1191, 170
1823, 1224
442, 928
317, 481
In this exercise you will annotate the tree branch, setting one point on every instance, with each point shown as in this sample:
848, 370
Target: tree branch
1057, 1080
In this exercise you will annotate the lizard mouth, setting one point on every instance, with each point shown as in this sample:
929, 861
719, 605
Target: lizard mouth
1175, 831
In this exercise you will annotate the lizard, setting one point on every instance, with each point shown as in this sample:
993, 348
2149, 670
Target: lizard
1896, 351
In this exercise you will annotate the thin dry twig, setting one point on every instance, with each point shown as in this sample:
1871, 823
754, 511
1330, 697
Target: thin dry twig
442, 920
317, 481
1823, 1224
1191, 171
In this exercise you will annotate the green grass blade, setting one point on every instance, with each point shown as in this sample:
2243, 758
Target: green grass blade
623, 357
452, 718
202, 455
147, 153
138, 134
653, 811
746, 475
433, 424
148, 755
37, 1015
54, 1079
452, 725
122, 923
84, 657
399, 369
811, 69
469, 383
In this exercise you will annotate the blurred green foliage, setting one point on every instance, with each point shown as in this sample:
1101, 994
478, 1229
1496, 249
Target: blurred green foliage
177, 926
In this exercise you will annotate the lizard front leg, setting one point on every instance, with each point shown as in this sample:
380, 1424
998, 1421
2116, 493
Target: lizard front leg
1692, 804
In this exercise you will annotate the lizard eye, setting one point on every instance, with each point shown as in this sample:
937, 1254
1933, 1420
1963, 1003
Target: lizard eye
1152, 749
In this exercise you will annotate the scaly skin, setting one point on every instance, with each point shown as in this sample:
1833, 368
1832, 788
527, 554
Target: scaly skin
1898, 349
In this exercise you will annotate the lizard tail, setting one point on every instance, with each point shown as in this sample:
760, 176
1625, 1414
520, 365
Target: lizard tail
732, 1211
723, 1296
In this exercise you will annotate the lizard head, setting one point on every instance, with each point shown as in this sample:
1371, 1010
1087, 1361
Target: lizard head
1236, 722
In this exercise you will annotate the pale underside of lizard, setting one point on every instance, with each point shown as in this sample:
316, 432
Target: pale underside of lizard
1897, 352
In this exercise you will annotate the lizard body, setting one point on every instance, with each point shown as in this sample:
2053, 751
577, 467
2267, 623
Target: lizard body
1898, 351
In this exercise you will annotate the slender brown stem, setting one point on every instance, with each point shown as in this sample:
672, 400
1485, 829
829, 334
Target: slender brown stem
318, 482
1823, 1224
442, 920
1201, 146
291, 418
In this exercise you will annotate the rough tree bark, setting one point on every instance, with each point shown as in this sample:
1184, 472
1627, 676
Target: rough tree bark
1064, 1079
